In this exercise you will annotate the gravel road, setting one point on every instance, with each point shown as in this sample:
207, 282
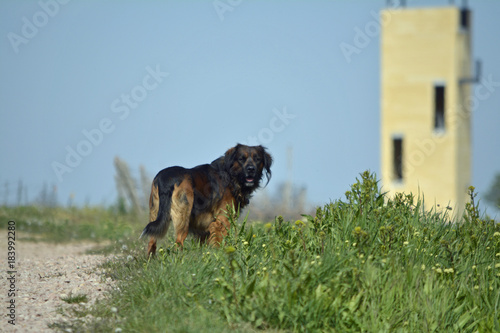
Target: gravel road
45, 274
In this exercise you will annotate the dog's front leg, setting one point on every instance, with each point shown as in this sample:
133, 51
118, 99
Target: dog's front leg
218, 229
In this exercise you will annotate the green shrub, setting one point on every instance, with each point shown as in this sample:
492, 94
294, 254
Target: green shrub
369, 263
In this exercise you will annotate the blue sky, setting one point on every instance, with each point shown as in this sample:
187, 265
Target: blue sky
163, 83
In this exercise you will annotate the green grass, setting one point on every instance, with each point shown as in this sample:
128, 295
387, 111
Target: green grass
61, 225
75, 299
368, 263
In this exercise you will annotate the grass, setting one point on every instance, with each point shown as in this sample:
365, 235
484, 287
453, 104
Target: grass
75, 299
367, 263
60, 225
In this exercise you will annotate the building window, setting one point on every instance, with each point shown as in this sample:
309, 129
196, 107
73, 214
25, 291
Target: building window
397, 148
439, 105
464, 18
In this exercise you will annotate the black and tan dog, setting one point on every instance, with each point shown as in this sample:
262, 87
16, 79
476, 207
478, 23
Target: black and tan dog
196, 199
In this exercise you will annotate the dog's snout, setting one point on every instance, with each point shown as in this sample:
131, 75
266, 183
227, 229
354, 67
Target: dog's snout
250, 168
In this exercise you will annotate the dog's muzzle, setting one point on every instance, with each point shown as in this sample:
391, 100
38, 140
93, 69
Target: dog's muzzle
250, 175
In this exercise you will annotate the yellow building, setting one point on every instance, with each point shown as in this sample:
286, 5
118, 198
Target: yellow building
425, 116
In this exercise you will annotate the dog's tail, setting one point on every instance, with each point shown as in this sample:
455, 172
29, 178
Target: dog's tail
159, 212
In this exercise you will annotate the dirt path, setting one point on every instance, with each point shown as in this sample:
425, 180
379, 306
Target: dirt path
44, 274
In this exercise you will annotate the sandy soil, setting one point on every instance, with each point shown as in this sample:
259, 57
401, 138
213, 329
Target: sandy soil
45, 273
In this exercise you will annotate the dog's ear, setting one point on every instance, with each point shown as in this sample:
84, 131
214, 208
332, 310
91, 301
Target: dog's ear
229, 158
268, 161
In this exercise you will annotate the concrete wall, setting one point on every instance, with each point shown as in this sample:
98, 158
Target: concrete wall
422, 48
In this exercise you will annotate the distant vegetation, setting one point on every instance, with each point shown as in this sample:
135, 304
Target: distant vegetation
133, 188
56, 224
493, 194
365, 263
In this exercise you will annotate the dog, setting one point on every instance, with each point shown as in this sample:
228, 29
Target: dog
196, 199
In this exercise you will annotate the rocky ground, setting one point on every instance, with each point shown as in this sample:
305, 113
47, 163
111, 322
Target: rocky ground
45, 274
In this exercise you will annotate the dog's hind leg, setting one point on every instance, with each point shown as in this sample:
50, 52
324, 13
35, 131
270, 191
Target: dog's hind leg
182, 204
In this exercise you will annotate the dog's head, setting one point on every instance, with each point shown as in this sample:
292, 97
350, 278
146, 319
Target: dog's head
247, 164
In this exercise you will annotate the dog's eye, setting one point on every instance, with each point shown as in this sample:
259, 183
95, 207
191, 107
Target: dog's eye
257, 159
241, 159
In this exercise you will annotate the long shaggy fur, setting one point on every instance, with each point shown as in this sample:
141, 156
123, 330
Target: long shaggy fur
195, 199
